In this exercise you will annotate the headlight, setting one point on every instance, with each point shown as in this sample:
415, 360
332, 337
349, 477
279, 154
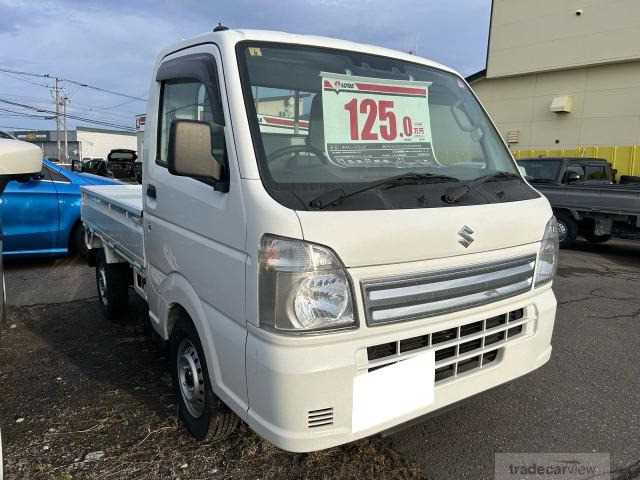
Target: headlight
548, 256
303, 287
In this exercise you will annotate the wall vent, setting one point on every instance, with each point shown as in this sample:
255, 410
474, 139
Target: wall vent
513, 136
561, 104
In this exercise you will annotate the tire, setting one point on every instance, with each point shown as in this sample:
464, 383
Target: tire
112, 282
204, 415
77, 244
567, 230
593, 238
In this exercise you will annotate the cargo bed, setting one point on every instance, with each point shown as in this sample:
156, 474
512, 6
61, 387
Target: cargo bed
113, 213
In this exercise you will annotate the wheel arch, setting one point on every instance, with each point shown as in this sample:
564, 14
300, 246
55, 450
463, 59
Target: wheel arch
569, 212
174, 295
77, 223
181, 299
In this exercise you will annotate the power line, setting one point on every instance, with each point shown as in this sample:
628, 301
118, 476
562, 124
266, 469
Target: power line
25, 97
117, 105
104, 90
13, 127
74, 117
58, 91
88, 108
15, 77
15, 113
28, 74
74, 82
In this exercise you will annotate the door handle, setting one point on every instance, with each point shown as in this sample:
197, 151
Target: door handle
151, 191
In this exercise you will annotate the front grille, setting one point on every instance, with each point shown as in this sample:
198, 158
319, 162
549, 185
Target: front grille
398, 299
458, 350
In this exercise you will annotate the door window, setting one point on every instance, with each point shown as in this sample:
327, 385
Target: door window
189, 100
596, 172
53, 175
579, 169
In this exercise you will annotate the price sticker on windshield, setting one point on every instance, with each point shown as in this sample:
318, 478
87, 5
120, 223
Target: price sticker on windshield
372, 122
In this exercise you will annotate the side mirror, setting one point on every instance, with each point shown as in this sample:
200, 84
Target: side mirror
573, 177
191, 153
19, 160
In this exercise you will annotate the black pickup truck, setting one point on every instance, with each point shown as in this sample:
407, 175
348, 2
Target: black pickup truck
585, 198
121, 163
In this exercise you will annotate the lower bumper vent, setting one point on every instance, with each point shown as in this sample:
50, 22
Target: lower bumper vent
320, 418
458, 350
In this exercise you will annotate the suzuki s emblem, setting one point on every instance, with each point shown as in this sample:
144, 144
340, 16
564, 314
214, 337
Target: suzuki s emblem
466, 236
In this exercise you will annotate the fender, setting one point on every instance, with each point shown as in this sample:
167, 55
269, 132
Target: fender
177, 292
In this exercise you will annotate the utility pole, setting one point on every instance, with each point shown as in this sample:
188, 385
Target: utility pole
65, 99
56, 90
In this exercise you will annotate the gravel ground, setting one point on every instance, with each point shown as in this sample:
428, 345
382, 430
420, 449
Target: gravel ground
85, 399
82, 398
585, 399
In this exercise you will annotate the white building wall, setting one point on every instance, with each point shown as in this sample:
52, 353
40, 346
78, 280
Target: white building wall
605, 98
541, 35
99, 144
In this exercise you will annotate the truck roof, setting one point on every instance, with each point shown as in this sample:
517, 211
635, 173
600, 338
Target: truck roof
229, 38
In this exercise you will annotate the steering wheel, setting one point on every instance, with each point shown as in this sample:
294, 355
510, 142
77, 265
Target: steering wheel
298, 149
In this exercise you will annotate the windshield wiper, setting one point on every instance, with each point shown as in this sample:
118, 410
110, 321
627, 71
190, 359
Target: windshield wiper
455, 194
338, 195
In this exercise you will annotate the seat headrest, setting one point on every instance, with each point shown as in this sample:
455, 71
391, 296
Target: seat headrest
316, 125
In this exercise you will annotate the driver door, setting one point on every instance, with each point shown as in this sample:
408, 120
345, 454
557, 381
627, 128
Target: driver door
194, 233
30, 215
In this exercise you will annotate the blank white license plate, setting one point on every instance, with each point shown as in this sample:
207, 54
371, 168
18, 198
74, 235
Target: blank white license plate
393, 391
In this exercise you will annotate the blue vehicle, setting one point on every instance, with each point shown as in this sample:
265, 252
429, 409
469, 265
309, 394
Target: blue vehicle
41, 217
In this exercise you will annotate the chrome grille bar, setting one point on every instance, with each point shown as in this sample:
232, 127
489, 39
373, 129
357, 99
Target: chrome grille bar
399, 299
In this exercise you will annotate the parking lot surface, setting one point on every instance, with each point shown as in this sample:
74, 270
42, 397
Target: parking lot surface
585, 399
82, 398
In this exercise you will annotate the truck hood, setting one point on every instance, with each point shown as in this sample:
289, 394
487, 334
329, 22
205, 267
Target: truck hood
380, 237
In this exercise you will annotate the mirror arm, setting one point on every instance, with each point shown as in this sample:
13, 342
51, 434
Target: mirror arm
221, 185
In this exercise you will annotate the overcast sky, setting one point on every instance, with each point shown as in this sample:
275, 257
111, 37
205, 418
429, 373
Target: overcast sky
112, 44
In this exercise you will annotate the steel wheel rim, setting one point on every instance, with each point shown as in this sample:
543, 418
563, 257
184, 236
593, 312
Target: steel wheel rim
562, 231
191, 378
102, 285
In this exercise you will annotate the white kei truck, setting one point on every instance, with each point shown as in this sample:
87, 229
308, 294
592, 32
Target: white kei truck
332, 238
18, 161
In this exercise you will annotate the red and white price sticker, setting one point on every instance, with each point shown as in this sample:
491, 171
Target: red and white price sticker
376, 122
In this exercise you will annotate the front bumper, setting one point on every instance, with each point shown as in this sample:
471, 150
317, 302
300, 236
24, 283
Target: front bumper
301, 389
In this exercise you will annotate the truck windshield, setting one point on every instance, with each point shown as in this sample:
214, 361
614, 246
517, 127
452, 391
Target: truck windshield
334, 125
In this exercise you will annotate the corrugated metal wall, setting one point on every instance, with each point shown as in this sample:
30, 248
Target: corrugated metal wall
625, 159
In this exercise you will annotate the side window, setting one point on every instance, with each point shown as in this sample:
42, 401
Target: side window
579, 169
596, 172
188, 100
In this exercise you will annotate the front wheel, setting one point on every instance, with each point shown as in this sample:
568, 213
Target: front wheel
567, 230
112, 282
204, 415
